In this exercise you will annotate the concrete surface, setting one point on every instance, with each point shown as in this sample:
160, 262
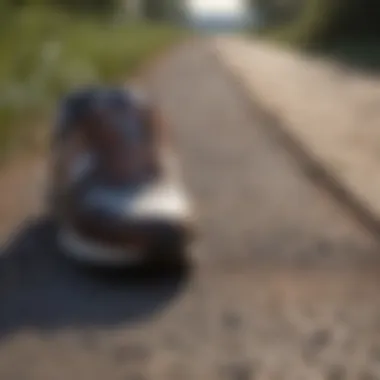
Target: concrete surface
285, 285
329, 111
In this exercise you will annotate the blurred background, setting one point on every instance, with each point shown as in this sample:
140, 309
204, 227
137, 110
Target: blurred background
50, 46
288, 277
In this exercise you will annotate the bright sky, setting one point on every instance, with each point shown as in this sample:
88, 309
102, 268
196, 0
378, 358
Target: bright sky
220, 7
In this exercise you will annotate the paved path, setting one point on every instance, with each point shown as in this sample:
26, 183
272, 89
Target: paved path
286, 282
325, 111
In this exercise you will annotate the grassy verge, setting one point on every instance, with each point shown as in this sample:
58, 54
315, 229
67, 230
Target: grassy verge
44, 54
308, 28
362, 55
317, 28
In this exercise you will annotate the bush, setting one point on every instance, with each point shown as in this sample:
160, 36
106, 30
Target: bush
79, 6
44, 54
321, 23
310, 27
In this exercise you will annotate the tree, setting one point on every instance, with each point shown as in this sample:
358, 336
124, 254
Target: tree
321, 22
154, 9
82, 6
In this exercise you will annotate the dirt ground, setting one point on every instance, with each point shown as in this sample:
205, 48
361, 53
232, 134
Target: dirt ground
285, 284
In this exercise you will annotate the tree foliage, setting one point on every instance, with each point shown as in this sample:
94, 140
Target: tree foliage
322, 21
80, 6
162, 9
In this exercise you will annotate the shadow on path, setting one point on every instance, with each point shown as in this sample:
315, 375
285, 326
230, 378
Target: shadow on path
39, 289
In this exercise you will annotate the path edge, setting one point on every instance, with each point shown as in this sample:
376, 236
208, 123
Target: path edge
313, 167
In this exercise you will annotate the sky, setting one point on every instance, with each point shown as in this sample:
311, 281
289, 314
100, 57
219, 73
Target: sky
216, 7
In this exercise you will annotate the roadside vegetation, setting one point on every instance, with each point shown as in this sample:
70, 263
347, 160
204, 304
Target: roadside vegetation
48, 49
346, 29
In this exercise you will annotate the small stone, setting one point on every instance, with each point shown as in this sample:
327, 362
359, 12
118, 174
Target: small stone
324, 248
179, 372
375, 353
367, 376
336, 372
89, 340
319, 339
231, 321
238, 371
315, 344
136, 376
131, 353
173, 342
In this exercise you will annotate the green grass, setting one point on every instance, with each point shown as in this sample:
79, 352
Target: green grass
44, 54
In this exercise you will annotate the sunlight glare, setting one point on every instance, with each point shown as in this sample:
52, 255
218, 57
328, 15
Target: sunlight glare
216, 7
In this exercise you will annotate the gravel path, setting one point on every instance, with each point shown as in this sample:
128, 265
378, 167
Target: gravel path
285, 285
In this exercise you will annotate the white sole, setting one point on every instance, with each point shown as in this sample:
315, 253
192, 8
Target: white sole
83, 250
